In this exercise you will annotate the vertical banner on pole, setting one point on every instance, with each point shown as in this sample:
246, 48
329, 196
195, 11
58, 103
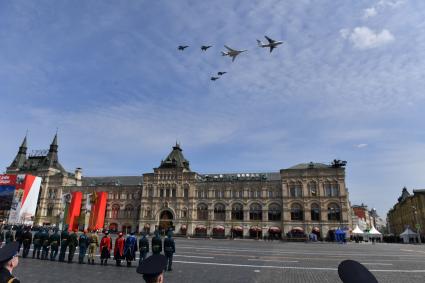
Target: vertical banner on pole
97, 217
74, 210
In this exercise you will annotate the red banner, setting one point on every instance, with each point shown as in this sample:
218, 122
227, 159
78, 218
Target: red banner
97, 216
74, 210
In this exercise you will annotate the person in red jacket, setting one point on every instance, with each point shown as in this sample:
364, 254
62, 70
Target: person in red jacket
119, 249
105, 249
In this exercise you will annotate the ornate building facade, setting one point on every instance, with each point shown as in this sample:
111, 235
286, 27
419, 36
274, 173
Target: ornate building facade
305, 198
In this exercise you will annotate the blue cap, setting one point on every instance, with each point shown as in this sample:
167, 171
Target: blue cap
8, 252
153, 265
351, 271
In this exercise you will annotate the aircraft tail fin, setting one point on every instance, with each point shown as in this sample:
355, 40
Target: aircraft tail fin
259, 43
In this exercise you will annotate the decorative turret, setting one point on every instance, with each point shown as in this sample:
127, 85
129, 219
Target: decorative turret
21, 157
175, 159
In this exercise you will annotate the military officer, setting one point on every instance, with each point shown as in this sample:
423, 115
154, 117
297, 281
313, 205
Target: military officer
9, 236
18, 236
169, 249
37, 244
8, 262
26, 241
93, 244
105, 249
156, 243
119, 249
152, 268
54, 244
64, 244
143, 247
130, 248
83, 243
72, 244
45, 244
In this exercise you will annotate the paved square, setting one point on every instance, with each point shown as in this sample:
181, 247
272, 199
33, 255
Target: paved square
199, 260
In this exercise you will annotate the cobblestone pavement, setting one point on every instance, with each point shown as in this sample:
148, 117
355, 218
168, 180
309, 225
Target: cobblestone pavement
199, 260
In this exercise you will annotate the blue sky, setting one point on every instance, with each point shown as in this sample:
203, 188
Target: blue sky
348, 83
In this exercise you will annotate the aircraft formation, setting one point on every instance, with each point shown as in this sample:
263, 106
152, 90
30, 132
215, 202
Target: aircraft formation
233, 53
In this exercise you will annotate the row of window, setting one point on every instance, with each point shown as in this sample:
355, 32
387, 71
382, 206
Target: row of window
330, 190
274, 212
203, 194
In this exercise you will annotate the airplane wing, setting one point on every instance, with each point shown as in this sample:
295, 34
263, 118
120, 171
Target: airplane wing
271, 48
269, 39
228, 48
233, 58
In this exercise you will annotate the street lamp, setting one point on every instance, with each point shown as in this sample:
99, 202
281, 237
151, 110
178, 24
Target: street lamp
418, 226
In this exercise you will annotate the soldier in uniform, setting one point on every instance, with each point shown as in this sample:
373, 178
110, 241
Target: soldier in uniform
130, 248
54, 244
9, 236
119, 249
72, 244
26, 241
143, 247
64, 244
169, 249
45, 243
105, 249
152, 268
93, 244
37, 244
156, 243
18, 236
83, 243
8, 262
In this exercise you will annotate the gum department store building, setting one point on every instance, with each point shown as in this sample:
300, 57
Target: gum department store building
305, 198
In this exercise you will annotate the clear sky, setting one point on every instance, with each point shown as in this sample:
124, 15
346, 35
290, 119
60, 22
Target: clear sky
348, 83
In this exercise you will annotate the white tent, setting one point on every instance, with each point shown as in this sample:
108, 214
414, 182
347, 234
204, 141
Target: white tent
407, 235
374, 232
357, 231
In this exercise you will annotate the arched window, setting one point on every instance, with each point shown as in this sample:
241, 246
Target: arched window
297, 212
334, 212
315, 212
237, 211
129, 211
219, 212
49, 209
148, 213
139, 207
331, 189
275, 213
255, 212
312, 189
115, 211
202, 212
295, 190
184, 213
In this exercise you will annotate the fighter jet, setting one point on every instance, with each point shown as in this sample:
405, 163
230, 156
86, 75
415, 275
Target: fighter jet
205, 47
232, 52
272, 43
182, 47
214, 78
221, 73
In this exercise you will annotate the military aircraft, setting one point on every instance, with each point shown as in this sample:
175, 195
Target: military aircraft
272, 43
205, 47
221, 73
232, 52
182, 47
214, 78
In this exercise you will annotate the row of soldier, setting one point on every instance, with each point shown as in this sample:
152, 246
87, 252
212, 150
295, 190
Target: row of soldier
48, 245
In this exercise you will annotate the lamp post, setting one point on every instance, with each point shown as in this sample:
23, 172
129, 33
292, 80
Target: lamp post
418, 226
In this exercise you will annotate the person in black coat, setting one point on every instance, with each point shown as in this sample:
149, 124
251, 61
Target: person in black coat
143, 247
26, 241
169, 249
156, 243
8, 261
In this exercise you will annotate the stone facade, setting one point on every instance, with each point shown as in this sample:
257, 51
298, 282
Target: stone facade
301, 199
409, 211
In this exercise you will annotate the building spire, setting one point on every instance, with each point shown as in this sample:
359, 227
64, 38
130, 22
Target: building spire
54, 144
21, 157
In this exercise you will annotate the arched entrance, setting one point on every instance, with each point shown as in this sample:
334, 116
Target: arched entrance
165, 221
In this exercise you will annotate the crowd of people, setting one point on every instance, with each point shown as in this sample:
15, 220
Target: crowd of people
52, 244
